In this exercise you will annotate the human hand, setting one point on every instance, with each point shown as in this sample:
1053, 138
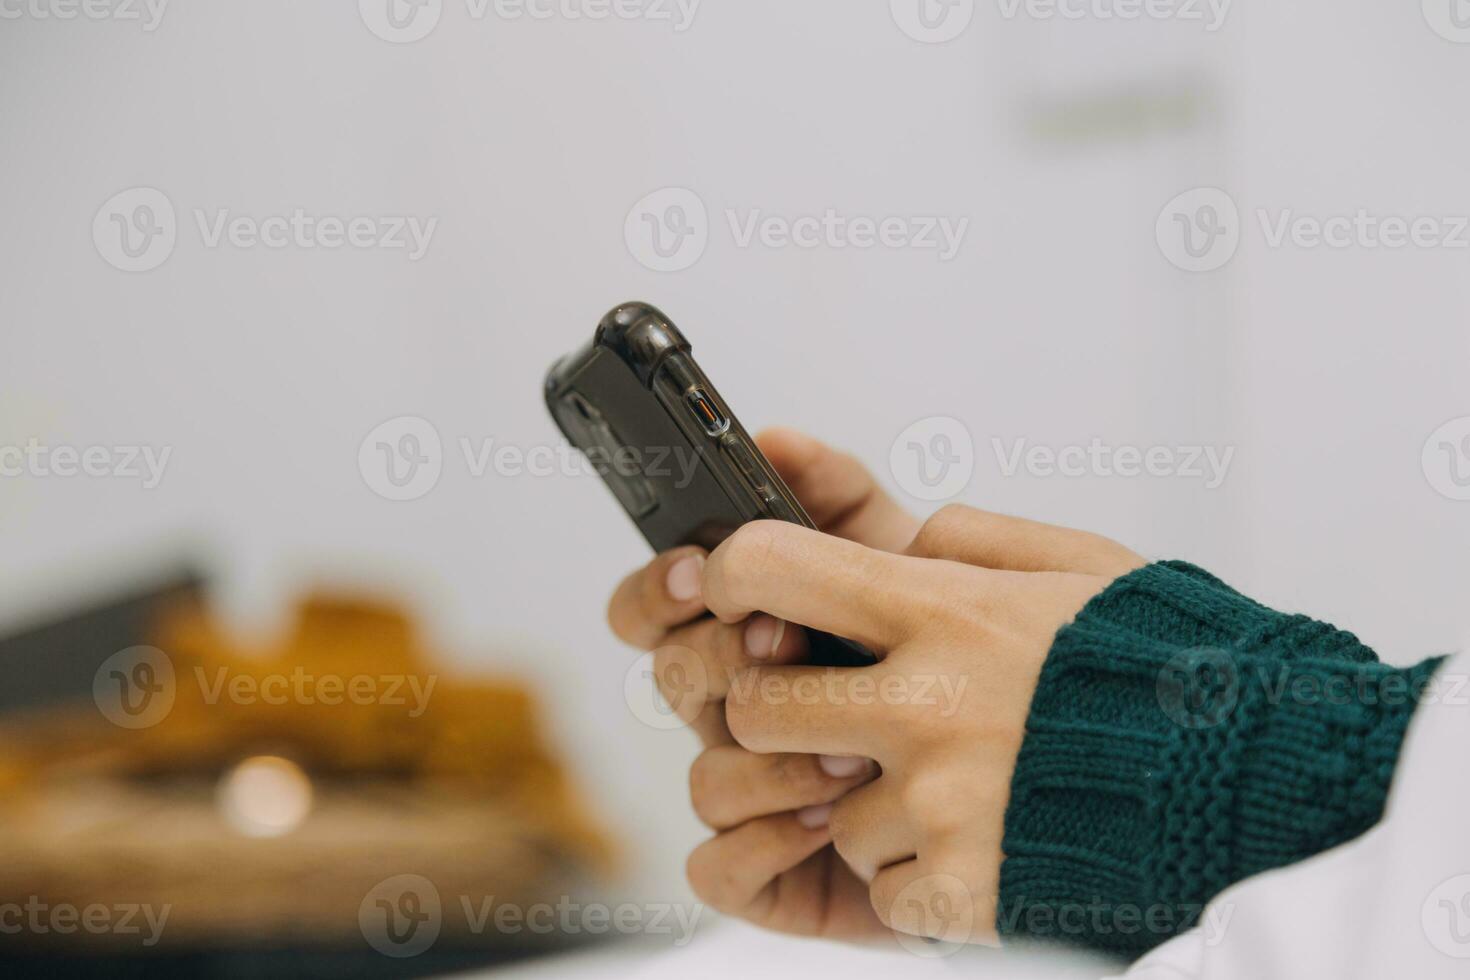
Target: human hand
962, 622
770, 861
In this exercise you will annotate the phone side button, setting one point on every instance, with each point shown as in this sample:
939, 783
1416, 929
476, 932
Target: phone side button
755, 477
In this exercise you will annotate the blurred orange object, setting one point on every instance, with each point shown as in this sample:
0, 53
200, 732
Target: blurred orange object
366, 760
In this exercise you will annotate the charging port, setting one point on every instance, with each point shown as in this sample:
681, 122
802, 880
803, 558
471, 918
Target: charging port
715, 422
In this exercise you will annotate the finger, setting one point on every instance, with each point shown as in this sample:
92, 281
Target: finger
663, 593
949, 897
729, 785
870, 829
977, 537
815, 710
725, 649
837, 491
735, 872
817, 580
710, 726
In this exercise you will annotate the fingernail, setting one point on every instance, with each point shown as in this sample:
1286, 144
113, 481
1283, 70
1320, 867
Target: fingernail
684, 578
763, 636
813, 817
842, 766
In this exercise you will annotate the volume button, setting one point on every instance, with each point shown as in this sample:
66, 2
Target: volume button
755, 477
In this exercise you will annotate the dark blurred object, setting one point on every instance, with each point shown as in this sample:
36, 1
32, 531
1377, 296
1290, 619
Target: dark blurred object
264, 793
57, 660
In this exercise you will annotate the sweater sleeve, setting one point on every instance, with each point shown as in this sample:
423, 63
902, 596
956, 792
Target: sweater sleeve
1183, 737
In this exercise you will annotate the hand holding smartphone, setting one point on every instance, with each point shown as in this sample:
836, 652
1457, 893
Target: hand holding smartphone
668, 446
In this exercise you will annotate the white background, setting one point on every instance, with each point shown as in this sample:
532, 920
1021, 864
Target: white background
1059, 320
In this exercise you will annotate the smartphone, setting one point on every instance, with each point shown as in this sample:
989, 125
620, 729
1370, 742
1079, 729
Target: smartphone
675, 457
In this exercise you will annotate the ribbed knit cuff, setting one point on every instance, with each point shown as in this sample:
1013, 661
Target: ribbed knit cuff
1183, 737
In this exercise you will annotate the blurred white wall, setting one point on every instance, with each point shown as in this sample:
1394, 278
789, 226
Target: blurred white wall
1060, 319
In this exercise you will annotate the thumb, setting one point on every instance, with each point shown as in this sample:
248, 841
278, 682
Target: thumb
838, 491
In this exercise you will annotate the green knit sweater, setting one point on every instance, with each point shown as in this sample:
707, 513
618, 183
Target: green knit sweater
1183, 737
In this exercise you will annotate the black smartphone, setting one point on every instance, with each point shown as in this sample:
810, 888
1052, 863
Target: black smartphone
656, 430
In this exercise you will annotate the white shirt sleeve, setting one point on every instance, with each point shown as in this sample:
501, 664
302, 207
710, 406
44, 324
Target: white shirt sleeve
1395, 902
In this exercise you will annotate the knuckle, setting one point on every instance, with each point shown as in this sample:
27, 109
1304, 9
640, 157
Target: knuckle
931, 801
935, 533
704, 875
745, 555
795, 770
883, 896
701, 784
742, 707
842, 823
618, 619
